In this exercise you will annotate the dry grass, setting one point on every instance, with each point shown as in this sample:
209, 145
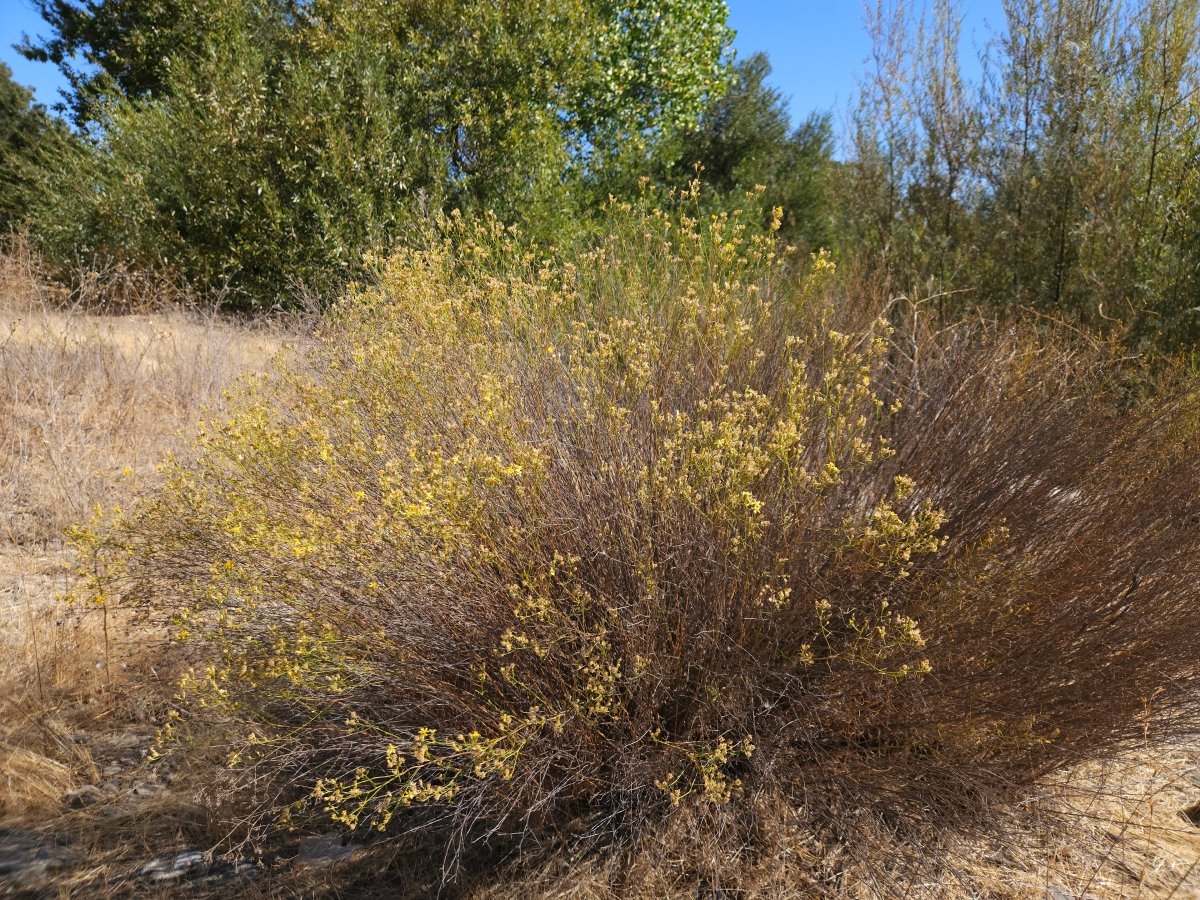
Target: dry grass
89, 404
1135, 807
1105, 831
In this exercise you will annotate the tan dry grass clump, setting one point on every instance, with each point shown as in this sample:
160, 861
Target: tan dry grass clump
1130, 834
89, 404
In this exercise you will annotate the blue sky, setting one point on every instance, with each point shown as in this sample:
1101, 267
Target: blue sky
817, 49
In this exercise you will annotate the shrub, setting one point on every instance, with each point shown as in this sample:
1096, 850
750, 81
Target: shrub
529, 549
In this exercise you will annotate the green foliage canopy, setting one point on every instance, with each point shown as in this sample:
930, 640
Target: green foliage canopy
1066, 181
120, 47
30, 140
253, 144
744, 140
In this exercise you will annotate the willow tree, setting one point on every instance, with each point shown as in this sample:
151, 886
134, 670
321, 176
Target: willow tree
1064, 180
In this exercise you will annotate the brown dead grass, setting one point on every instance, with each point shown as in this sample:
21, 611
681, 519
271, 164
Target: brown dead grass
89, 404
1110, 831
1135, 808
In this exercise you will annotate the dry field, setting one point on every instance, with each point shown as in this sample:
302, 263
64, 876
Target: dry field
88, 405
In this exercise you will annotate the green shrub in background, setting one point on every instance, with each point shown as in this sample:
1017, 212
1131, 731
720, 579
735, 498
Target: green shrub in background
744, 139
1065, 181
528, 548
271, 167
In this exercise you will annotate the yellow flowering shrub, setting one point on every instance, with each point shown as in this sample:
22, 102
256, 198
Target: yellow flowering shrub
533, 541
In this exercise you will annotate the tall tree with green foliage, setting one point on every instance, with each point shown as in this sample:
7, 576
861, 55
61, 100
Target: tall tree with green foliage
1164, 203
912, 179
1066, 182
31, 142
744, 140
276, 141
1091, 164
1060, 157
120, 47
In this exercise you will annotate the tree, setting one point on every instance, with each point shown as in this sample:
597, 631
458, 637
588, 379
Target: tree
1165, 207
1059, 160
911, 184
276, 141
126, 46
30, 141
656, 63
1068, 183
744, 139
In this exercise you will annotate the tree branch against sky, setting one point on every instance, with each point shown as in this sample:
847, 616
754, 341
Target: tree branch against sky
815, 48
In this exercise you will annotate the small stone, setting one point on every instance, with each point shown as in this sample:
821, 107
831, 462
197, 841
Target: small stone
225, 871
16, 847
83, 796
323, 849
195, 866
148, 789
175, 866
110, 771
127, 741
1192, 814
27, 859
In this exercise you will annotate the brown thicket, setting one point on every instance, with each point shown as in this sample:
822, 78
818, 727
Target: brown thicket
638, 547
